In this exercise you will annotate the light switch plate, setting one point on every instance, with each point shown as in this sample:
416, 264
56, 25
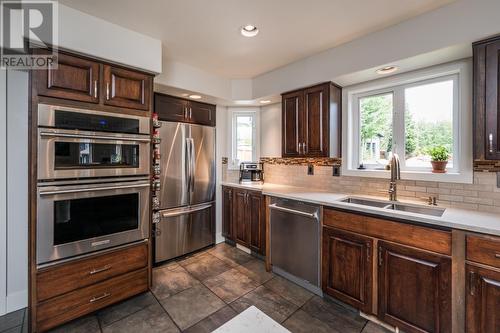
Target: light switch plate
310, 169
336, 171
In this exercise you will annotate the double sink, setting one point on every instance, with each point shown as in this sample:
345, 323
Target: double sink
396, 206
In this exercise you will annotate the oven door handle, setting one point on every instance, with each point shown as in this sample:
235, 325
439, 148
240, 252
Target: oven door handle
97, 137
92, 189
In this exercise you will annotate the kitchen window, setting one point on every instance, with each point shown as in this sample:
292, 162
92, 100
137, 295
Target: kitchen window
409, 114
244, 136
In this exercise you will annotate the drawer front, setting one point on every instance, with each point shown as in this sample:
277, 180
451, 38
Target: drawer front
484, 250
68, 277
86, 300
416, 236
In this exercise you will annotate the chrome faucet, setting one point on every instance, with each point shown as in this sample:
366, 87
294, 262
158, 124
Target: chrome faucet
395, 176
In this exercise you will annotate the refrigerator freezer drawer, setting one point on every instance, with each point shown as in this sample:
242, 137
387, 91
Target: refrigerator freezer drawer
184, 230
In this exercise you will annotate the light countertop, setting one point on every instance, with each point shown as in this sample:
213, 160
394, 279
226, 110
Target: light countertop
456, 218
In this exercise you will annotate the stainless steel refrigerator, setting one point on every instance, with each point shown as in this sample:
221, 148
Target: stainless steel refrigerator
187, 191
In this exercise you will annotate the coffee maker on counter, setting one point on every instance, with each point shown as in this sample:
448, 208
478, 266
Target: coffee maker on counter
251, 173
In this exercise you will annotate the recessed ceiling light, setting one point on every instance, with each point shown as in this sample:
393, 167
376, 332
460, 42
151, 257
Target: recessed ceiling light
387, 69
265, 101
249, 30
194, 96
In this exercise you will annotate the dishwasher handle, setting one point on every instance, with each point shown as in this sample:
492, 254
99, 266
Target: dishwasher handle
294, 211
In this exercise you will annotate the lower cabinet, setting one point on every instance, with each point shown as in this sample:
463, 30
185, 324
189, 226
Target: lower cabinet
347, 268
482, 299
414, 289
244, 218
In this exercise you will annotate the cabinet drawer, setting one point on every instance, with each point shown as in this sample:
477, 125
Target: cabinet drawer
408, 234
86, 300
484, 250
64, 278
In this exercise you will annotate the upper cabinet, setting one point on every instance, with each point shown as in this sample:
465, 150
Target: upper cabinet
486, 99
170, 108
90, 81
311, 123
126, 88
75, 78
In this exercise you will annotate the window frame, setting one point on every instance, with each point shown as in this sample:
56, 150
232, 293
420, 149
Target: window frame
233, 114
460, 73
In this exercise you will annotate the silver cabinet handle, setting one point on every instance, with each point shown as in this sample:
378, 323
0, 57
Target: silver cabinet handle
100, 270
92, 189
95, 137
490, 142
304, 148
185, 112
497, 255
107, 91
300, 145
190, 113
294, 211
98, 298
95, 88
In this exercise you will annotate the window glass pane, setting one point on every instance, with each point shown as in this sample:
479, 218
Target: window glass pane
376, 130
428, 121
244, 138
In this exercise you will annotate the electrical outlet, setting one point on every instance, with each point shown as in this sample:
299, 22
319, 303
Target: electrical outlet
310, 169
336, 171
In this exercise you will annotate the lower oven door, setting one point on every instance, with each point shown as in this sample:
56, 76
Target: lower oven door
64, 154
78, 219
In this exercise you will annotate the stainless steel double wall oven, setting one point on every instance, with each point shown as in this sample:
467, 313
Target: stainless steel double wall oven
93, 181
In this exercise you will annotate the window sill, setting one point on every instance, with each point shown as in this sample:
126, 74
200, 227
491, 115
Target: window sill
465, 177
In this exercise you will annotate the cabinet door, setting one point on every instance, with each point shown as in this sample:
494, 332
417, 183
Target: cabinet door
292, 122
482, 300
227, 211
414, 289
347, 268
240, 217
492, 106
316, 121
256, 216
201, 113
170, 108
75, 79
126, 88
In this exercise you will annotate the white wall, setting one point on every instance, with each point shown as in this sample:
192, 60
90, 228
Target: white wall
270, 130
221, 148
93, 36
13, 191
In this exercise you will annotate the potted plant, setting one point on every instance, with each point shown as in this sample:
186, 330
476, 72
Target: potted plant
439, 158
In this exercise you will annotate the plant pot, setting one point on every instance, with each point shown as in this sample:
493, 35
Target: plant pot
439, 166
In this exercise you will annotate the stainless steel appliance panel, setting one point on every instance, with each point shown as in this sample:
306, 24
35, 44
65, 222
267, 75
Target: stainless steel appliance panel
87, 143
175, 164
295, 230
183, 230
58, 204
202, 187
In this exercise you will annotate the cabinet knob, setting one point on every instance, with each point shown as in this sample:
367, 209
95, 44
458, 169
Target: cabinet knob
490, 142
107, 91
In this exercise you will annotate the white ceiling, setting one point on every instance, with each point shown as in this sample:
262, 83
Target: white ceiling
205, 34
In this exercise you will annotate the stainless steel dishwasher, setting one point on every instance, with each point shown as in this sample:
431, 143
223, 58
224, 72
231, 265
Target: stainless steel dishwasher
295, 242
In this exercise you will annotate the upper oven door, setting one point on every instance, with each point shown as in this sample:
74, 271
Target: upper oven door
82, 218
64, 154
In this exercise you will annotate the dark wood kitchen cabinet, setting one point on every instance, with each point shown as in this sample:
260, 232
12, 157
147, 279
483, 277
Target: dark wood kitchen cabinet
227, 213
482, 300
311, 121
75, 79
171, 108
486, 92
78, 81
347, 268
414, 289
126, 88
244, 218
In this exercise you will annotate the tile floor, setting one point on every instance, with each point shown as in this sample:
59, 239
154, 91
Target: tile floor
205, 290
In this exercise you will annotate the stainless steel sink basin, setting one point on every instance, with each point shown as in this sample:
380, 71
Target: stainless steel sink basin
397, 206
416, 209
366, 202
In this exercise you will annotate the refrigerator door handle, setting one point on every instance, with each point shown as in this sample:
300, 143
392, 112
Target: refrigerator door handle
185, 211
193, 164
187, 165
